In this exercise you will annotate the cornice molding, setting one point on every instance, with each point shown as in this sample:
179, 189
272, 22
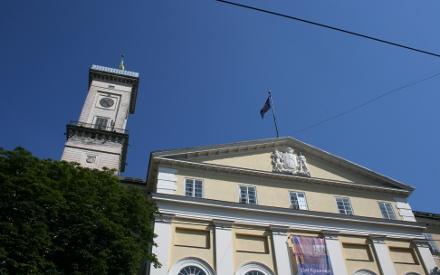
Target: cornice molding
214, 168
223, 224
265, 144
279, 230
330, 235
378, 238
167, 218
277, 211
421, 243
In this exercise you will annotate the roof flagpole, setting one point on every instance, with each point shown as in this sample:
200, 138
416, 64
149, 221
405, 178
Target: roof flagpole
273, 113
121, 63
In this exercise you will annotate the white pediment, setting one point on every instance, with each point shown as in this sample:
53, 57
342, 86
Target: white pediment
286, 156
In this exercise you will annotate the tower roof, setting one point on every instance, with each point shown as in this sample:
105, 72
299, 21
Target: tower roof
116, 75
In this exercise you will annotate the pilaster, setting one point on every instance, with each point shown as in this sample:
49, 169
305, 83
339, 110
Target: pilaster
335, 252
223, 247
162, 227
425, 255
383, 256
281, 250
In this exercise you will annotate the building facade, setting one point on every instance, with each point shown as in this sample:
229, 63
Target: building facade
235, 208
99, 138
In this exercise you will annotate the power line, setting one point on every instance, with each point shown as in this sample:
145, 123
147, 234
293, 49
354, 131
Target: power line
329, 27
363, 104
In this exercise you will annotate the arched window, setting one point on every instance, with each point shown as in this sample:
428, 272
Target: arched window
191, 266
191, 270
254, 268
364, 272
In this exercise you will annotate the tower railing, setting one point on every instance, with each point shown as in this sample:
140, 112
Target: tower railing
99, 127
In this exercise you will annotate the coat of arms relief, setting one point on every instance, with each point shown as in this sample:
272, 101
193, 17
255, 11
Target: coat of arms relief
288, 162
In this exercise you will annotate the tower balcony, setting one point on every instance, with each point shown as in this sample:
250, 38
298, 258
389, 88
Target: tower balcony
99, 127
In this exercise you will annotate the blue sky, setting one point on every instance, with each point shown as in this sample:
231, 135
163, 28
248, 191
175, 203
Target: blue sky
206, 67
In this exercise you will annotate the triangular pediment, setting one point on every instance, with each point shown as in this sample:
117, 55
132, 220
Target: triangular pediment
271, 156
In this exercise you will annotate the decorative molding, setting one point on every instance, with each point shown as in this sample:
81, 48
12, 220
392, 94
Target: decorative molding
288, 162
214, 168
163, 217
279, 230
264, 144
264, 216
378, 238
421, 243
330, 235
224, 224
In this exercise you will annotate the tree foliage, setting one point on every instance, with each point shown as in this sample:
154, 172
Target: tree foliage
60, 218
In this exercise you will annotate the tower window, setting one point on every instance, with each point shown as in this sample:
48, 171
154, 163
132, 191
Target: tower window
344, 205
194, 188
298, 200
101, 123
248, 194
387, 210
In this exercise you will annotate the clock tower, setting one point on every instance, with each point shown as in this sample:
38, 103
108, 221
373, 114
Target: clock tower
99, 138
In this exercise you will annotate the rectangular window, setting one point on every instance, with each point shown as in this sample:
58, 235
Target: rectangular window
387, 210
344, 206
298, 200
432, 245
101, 123
194, 188
248, 194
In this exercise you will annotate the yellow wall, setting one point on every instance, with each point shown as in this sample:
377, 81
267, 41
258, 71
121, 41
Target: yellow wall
404, 256
274, 193
358, 254
191, 245
263, 161
241, 257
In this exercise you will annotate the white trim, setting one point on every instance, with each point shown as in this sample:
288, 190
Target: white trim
337, 207
190, 261
364, 270
214, 168
247, 194
383, 256
264, 144
204, 209
194, 187
297, 192
254, 266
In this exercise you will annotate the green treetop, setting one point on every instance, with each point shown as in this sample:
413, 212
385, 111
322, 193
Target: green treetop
60, 218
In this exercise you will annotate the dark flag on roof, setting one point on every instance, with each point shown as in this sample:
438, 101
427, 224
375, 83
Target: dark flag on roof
266, 107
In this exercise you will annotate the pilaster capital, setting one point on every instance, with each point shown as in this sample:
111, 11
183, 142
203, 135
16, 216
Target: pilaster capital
224, 224
421, 243
279, 230
330, 235
378, 238
164, 217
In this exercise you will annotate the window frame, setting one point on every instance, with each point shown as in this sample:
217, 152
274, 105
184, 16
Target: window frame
291, 202
339, 210
247, 194
433, 247
194, 188
390, 207
100, 127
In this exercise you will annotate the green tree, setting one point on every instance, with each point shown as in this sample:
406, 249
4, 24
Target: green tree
60, 218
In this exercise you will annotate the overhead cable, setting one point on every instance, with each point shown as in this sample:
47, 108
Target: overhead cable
329, 27
363, 104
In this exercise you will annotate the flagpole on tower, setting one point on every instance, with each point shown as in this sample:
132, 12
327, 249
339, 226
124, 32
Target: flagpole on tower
121, 63
273, 113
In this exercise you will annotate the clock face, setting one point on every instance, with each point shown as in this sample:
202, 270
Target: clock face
106, 102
